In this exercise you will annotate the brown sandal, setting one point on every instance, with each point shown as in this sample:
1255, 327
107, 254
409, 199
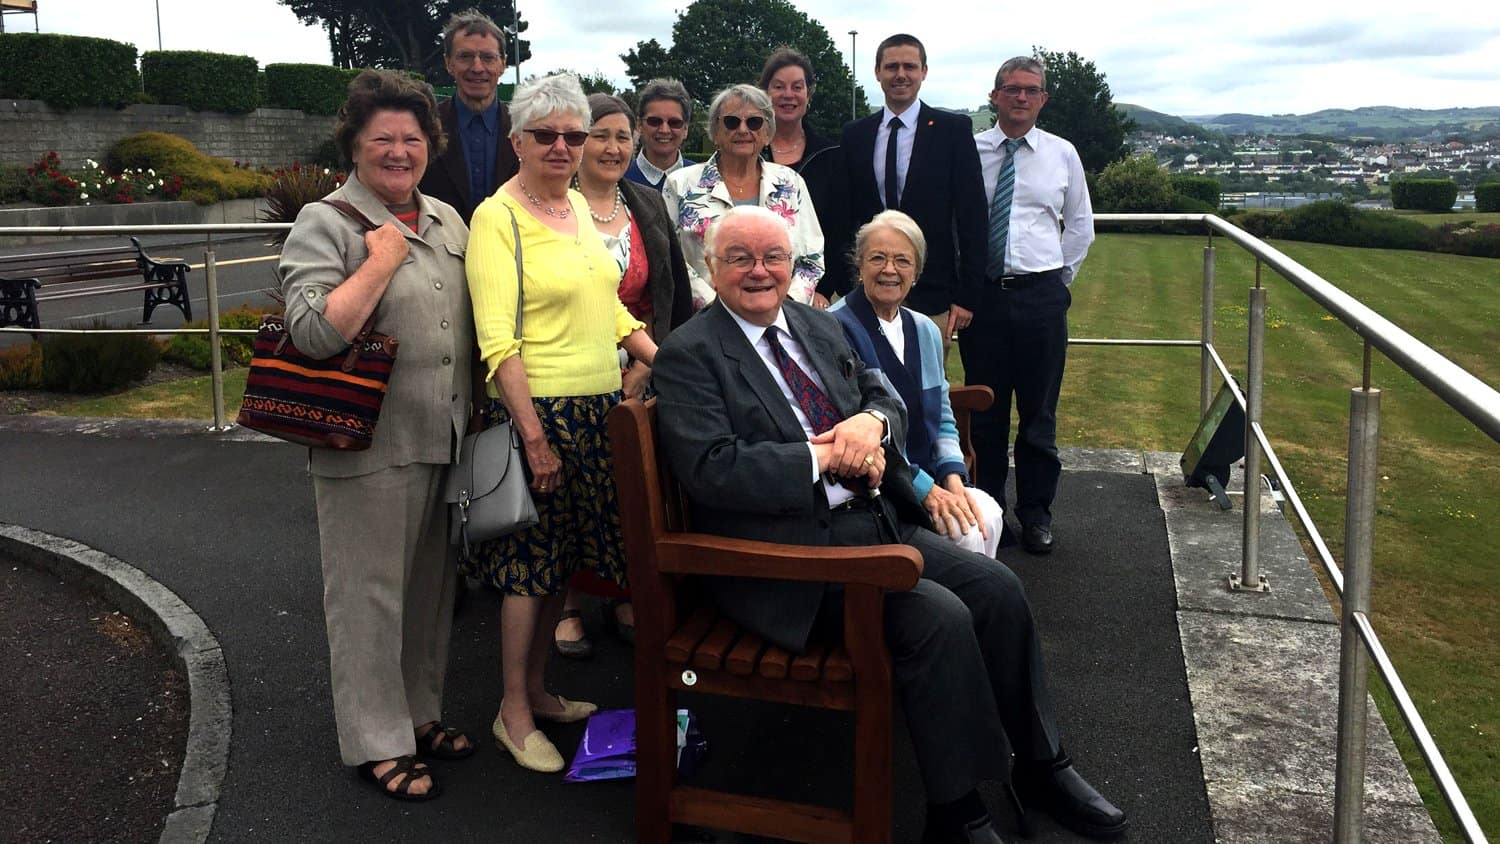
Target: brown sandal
440, 742
407, 765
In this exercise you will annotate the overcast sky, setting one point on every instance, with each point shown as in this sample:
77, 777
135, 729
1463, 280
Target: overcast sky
1180, 57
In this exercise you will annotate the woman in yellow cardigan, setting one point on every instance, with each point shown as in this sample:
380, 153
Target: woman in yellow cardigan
557, 382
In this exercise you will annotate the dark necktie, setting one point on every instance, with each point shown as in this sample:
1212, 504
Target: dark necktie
1000, 200
892, 182
814, 402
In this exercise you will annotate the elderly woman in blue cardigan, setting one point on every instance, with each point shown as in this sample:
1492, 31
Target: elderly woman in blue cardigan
907, 349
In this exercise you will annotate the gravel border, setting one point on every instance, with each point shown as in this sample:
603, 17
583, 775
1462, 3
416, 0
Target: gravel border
174, 624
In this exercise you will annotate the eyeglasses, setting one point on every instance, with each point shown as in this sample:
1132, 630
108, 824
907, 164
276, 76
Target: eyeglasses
745, 262
464, 57
548, 137
655, 121
901, 262
1017, 90
732, 122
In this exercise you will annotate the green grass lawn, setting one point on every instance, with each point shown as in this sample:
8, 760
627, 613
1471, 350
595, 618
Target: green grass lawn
189, 398
1436, 600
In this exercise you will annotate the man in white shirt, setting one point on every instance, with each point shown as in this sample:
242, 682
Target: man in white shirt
1040, 228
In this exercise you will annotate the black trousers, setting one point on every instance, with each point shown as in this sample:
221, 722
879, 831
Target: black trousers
1018, 343
967, 662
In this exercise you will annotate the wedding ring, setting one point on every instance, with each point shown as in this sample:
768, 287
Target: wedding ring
869, 460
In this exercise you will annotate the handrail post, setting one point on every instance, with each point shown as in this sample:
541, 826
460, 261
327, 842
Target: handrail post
1250, 579
1354, 660
1206, 361
210, 272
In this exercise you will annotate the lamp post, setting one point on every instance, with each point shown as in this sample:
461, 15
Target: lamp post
158, 25
853, 74
515, 22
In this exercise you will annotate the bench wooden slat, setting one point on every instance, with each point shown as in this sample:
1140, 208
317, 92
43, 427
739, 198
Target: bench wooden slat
838, 668
746, 653
680, 644
774, 663
65, 256
709, 655
74, 294
808, 665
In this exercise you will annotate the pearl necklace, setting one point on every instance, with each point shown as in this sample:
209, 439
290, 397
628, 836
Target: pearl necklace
560, 213
615, 212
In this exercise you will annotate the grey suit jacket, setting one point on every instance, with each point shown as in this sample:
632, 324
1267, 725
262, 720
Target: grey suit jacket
425, 307
737, 449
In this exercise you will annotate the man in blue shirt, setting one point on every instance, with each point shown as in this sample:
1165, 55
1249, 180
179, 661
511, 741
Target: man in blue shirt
479, 157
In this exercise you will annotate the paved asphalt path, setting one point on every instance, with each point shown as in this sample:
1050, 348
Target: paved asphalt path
230, 528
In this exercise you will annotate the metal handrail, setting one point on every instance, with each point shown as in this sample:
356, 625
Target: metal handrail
1468, 395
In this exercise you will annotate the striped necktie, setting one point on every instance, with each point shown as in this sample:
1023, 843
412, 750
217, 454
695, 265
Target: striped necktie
1005, 188
821, 413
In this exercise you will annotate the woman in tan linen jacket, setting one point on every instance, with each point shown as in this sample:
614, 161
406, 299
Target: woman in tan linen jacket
388, 575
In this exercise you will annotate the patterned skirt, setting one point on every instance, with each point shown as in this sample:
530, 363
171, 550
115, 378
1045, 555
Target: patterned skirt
578, 525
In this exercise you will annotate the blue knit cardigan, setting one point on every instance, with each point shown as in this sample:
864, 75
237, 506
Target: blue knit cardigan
920, 384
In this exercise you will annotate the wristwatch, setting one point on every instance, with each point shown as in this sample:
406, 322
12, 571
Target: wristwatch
885, 424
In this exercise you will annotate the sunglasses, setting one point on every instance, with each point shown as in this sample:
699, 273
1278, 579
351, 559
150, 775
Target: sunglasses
548, 137
655, 121
732, 122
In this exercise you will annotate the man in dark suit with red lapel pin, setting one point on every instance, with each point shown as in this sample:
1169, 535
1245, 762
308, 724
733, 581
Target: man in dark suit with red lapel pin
479, 157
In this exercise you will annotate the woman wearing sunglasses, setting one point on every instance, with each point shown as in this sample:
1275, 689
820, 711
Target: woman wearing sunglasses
557, 380
741, 122
662, 122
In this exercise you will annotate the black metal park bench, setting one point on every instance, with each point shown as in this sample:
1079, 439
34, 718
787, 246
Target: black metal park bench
27, 280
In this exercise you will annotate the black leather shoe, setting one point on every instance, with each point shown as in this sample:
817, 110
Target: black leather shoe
981, 831
1036, 539
1058, 789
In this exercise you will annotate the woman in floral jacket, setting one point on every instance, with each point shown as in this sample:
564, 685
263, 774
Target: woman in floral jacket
741, 123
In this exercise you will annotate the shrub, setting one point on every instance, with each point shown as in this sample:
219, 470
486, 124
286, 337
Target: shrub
1433, 195
293, 187
1468, 239
14, 183
68, 71
314, 88
1134, 185
92, 363
204, 179
21, 367
1204, 189
235, 350
202, 81
47, 183
1262, 224
190, 350
1487, 197
327, 155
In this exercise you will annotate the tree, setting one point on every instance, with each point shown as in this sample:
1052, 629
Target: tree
717, 43
1081, 109
1133, 185
405, 34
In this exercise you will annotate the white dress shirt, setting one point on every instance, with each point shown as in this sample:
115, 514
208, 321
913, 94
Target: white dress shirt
903, 144
1051, 219
654, 173
756, 334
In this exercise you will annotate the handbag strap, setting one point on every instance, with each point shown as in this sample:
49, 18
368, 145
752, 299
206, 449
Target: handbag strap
348, 210
515, 231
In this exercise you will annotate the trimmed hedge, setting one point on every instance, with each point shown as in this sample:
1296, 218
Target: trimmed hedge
202, 81
205, 180
314, 88
68, 71
1434, 195
1205, 189
93, 363
1487, 197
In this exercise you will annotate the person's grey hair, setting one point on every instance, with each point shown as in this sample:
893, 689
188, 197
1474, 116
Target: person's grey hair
470, 22
537, 98
663, 89
1029, 64
898, 222
735, 213
748, 94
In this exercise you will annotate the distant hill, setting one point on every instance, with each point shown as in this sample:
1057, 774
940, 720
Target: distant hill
1147, 120
1385, 123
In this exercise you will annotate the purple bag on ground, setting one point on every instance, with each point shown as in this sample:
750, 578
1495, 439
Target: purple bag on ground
607, 751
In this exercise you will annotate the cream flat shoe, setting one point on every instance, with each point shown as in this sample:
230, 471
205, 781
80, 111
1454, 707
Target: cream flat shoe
540, 754
572, 710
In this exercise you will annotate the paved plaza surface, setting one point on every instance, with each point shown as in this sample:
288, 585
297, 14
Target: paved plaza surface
229, 527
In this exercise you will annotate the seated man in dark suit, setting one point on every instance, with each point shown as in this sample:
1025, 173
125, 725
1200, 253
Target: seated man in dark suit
777, 433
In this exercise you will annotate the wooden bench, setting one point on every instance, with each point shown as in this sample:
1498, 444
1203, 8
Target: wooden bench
27, 280
682, 644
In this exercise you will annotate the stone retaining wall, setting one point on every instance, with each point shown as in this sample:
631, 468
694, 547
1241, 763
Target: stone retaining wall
135, 214
269, 136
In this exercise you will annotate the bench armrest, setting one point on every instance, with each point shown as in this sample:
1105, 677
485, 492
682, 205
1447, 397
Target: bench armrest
971, 397
897, 567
